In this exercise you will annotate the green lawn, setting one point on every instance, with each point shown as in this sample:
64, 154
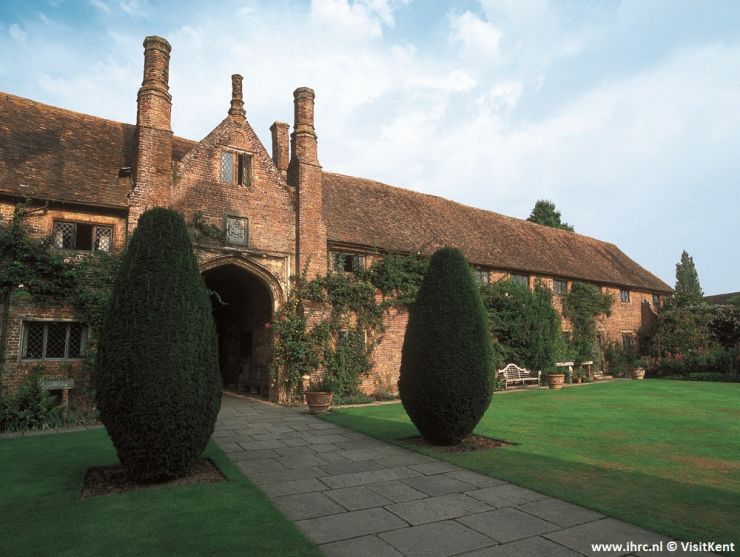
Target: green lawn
41, 512
664, 455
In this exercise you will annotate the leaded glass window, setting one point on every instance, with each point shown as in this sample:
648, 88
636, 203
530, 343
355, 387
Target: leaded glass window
521, 279
64, 235
347, 262
82, 236
481, 275
52, 340
227, 166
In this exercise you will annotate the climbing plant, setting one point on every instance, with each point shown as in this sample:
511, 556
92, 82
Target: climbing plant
341, 344
582, 305
30, 267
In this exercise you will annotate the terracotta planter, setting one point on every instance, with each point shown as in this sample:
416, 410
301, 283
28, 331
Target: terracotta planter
318, 401
556, 380
577, 380
638, 373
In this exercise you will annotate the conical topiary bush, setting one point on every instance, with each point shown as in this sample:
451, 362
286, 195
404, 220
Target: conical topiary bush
157, 382
447, 365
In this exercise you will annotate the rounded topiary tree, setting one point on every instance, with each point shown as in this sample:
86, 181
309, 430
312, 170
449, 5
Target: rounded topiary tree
157, 381
447, 363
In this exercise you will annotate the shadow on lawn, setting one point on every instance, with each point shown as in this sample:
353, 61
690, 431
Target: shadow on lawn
681, 509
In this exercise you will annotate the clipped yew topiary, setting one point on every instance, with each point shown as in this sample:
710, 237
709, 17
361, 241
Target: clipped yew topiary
157, 381
447, 360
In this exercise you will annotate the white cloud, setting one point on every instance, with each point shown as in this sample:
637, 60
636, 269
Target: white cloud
16, 33
480, 38
100, 5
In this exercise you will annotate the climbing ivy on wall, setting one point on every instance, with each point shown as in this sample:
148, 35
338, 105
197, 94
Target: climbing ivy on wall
341, 345
582, 305
30, 267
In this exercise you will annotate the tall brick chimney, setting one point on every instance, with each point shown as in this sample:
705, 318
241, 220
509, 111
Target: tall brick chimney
152, 172
237, 101
305, 174
280, 146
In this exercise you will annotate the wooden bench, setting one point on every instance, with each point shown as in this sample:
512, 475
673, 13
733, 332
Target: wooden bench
254, 380
513, 374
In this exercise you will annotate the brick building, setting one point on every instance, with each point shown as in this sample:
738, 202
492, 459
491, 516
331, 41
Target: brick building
279, 212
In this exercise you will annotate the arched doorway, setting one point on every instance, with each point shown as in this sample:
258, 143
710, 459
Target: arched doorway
243, 305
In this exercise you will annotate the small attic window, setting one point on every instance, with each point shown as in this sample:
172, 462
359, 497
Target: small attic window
236, 168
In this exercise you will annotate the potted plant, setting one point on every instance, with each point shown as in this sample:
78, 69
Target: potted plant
319, 396
578, 376
638, 373
555, 380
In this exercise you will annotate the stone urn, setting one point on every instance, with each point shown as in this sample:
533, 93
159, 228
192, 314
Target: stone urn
318, 401
555, 380
638, 373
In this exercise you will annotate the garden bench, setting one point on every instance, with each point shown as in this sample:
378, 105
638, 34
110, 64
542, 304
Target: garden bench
255, 380
514, 374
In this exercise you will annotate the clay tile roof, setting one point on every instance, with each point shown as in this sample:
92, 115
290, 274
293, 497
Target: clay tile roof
368, 213
66, 156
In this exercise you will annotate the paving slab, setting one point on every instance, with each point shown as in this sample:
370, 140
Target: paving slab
397, 491
371, 477
292, 487
357, 498
505, 525
505, 495
439, 539
307, 505
350, 525
278, 476
435, 467
438, 484
262, 465
530, 547
560, 512
608, 530
433, 509
364, 546
350, 467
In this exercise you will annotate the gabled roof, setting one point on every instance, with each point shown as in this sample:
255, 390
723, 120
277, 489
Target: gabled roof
66, 156
368, 213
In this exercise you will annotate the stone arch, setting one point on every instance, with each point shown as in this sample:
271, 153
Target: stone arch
247, 297
268, 278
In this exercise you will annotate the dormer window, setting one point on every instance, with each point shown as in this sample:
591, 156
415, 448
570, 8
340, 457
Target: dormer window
236, 168
82, 236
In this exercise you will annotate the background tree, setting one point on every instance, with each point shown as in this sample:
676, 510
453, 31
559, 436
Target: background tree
688, 289
158, 386
544, 212
683, 322
447, 361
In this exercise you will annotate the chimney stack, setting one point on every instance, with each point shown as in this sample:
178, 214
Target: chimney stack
280, 146
237, 101
154, 103
305, 174
152, 168
304, 136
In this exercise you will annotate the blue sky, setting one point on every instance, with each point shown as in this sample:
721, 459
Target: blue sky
625, 114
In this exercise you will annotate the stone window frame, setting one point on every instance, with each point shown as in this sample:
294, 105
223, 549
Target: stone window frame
346, 262
95, 227
656, 300
228, 216
624, 295
519, 278
560, 287
26, 324
241, 167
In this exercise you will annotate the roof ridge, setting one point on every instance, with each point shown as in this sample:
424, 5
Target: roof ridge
542, 227
74, 113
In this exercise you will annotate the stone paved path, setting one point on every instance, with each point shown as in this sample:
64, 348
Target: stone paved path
358, 496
